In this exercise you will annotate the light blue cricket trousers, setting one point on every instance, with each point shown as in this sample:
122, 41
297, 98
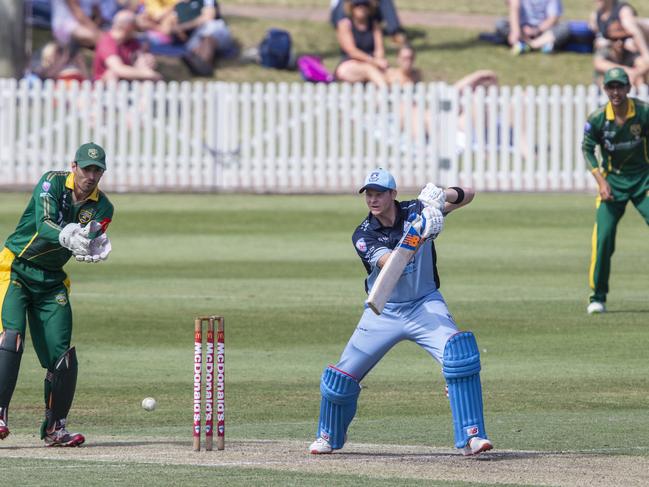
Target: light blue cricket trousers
427, 322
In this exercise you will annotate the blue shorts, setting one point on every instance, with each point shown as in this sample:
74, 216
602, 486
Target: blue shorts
216, 29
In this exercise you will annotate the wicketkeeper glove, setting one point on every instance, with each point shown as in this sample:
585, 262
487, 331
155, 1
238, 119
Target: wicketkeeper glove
433, 196
74, 237
98, 250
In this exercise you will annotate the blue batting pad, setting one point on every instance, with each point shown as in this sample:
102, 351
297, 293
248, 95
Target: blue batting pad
462, 372
338, 406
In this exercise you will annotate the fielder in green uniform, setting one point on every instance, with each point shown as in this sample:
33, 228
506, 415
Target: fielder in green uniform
66, 216
621, 129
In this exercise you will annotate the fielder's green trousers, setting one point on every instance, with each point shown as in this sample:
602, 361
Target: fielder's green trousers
625, 188
31, 294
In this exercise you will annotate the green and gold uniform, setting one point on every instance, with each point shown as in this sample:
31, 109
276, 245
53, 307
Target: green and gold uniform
625, 166
33, 286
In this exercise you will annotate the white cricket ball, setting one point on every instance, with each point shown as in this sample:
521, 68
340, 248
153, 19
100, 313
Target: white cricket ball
148, 403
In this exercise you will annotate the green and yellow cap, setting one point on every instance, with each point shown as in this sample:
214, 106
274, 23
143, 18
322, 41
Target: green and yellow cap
90, 154
616, 75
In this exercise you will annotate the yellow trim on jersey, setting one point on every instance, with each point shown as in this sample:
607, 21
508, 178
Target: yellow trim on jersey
6, 259
593, 252
630, 110
69, 183
28, 244
42, 253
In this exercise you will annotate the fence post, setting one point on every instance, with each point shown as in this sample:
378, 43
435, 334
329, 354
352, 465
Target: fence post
579, 173
543, 128
568, 142
493, 175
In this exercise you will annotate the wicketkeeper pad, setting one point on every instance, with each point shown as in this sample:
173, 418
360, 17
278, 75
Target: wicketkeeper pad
462, 372
338, 406
60, 386
11, 351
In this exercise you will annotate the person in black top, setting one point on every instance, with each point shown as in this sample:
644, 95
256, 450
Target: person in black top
622, 40
205, 34
361, 43
386, 14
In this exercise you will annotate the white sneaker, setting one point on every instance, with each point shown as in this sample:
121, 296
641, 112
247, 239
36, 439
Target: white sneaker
596, 307
476, 445
320, 446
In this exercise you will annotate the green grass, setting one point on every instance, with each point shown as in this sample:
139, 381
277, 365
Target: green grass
39, 472
573, 9
284, 273
443, 54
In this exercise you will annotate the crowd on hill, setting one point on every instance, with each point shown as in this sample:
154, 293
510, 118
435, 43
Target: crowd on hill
125, 33
614, 32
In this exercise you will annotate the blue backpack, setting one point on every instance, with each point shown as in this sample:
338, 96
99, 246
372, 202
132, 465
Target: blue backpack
275, 49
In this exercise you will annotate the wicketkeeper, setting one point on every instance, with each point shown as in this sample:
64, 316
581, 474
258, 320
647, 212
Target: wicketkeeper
415, 311
66, 216
621, 129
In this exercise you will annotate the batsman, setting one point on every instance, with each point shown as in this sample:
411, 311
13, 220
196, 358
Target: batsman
67, 215
621, 129
415, 310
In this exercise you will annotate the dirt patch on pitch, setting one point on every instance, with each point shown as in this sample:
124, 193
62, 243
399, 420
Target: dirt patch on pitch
371, 461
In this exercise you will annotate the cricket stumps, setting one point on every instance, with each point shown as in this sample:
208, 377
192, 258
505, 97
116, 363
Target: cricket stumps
214, 360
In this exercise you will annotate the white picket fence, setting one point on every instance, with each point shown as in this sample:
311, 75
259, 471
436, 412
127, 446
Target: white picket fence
298, 138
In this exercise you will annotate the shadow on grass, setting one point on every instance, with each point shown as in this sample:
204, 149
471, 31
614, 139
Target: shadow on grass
486, 457
627, 311
38, 445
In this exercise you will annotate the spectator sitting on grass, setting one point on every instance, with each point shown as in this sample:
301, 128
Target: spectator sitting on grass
405, 72
199, 25
119, 56
534, 25
76, 21
621, 40
59, 62
361, 43
385, 14
159, 18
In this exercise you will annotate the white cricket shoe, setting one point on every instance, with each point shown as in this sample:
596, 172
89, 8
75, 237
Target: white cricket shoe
476, 445
595, 307
320, 447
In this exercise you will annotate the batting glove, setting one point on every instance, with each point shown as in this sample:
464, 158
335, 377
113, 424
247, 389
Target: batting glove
429, 224
433, 196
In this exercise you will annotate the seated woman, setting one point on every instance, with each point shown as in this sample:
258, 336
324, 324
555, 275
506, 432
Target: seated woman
158, 18
622, 40
361, 43
386, 14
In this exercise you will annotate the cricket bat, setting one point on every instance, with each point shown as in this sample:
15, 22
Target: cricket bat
393, 268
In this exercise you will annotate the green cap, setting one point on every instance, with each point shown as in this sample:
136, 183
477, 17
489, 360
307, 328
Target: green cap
616, 75
90, 154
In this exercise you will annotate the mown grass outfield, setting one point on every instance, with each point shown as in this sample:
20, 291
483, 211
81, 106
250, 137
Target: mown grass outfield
282, 270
